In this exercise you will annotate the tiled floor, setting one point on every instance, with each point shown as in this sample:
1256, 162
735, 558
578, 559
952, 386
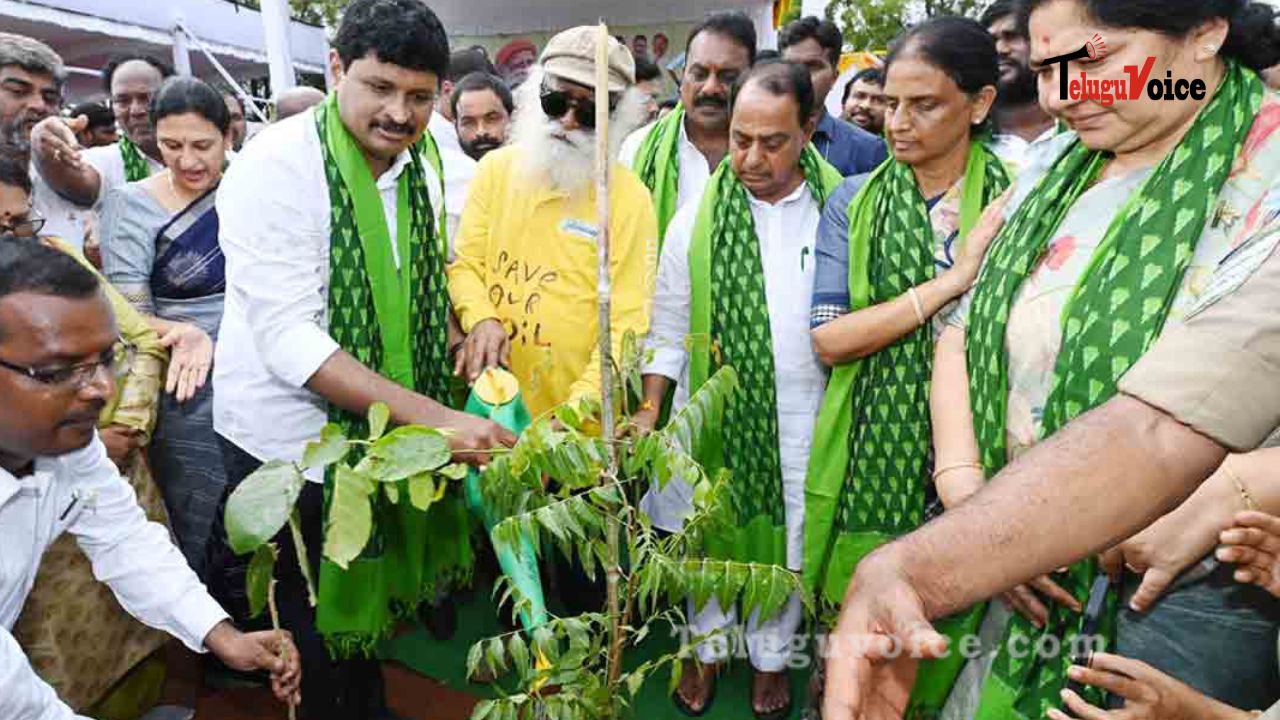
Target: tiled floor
411, 696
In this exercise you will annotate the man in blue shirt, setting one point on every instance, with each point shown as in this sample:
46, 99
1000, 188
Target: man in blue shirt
816, 44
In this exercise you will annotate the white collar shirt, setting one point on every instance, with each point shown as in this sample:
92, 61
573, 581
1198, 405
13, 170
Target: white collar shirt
83, 494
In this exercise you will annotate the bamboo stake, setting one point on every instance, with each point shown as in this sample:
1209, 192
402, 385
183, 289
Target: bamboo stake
604, 292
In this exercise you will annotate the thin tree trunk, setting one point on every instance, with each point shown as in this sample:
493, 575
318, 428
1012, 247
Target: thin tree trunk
604, 292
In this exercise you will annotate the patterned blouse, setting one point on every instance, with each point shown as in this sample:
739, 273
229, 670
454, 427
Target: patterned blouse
1248, 210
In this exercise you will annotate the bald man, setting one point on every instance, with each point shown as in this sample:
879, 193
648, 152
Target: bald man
296, 99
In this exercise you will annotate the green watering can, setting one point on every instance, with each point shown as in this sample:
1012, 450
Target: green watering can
496, 396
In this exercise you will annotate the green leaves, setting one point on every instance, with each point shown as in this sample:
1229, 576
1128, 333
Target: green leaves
379, 416
259, 578
407, 451
329, 449
424, 492
259, 507
350, 517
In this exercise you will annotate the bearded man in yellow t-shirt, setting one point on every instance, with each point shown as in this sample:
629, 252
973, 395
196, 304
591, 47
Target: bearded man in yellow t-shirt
524, 279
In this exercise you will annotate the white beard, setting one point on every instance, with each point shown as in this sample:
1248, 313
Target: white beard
566, 160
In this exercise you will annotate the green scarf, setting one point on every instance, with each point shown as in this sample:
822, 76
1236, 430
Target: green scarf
729, 325
1117, 309
393, 320
658, 165
874, 425
136, 166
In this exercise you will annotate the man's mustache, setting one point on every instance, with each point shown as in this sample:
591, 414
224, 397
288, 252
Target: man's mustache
393, 127
711, 101
485, 142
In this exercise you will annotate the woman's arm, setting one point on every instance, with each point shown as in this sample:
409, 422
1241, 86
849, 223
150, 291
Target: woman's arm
957, 462
870, 330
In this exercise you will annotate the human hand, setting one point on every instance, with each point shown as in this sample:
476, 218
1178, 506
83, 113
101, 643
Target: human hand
643, 421
472, 437
120, 441
1162, 552
1253, 543
1025, 601
191, 355
54, 140
878, 642
487, 345
1148, 694
269, 650
980, 237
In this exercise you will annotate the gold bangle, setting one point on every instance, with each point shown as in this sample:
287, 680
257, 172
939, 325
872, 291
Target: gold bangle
956, 466
919, 306
1245, 495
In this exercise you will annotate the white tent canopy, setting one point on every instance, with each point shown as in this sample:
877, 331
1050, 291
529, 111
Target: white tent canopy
513, 17
86, 33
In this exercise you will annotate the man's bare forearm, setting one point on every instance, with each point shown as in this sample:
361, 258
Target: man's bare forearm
1105, 476
343, 381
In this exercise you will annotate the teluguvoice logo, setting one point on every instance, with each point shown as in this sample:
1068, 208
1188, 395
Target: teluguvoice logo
1107, 92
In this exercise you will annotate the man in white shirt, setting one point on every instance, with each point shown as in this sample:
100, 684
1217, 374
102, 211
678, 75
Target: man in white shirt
748, 269
31, 77
86, 176
325, 220
675, 155
59, 346
459, 167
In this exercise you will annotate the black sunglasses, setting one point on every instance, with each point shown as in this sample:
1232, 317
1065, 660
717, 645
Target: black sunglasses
555, 103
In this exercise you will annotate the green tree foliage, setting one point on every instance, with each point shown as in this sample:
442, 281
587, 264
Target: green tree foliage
873, 24
314, 12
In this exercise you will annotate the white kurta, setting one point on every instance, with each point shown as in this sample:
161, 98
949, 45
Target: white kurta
786, 232
458, 167
694, 169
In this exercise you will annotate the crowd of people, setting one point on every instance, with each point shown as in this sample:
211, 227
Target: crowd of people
1006, 355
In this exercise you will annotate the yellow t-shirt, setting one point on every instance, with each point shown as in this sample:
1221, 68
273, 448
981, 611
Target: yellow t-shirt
527, 256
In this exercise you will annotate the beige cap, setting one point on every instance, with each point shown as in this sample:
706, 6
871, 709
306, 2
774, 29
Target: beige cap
571, 55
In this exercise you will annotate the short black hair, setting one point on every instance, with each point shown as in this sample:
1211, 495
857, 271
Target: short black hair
14, 173
733, 24
29, 266
872, 75
1254, 37
780, 78
109, 71
186, 94
99, 115
465, 62
647, 70
823, 32
481, 81
401, 32
999, 10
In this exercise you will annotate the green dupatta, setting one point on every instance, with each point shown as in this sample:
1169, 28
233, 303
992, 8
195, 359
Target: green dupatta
729, 325
658, 166
1117, 309
871, 458
393, 320
136, 166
